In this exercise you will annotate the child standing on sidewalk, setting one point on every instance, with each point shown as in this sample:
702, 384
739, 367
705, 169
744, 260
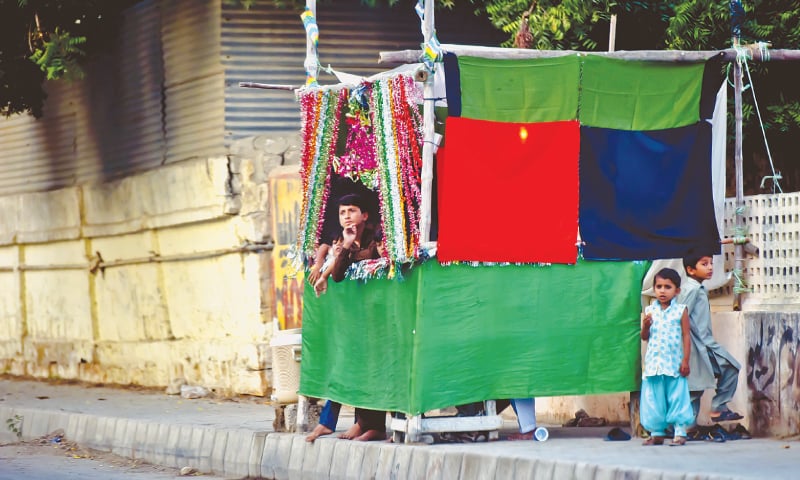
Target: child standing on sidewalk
714, 366
665, 392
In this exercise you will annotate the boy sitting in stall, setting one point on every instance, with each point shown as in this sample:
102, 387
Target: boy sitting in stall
356, 243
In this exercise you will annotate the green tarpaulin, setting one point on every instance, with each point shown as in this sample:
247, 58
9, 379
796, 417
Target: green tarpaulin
447, 335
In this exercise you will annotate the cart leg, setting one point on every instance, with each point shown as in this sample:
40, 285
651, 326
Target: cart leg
413, 428
302, 414
634, 414
490, 408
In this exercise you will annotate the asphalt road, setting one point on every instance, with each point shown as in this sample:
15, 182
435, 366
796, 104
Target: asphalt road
33, 461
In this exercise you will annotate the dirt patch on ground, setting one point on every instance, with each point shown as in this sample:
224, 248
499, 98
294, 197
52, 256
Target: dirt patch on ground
56, 444
133, 388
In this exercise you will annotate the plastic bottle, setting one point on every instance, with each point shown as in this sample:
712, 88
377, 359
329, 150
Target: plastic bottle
541, 434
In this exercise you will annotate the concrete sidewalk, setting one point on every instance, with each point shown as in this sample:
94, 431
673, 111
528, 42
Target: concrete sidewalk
236, 439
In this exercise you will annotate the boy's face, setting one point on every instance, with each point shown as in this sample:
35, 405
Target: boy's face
702, 270
351, 215
665, 290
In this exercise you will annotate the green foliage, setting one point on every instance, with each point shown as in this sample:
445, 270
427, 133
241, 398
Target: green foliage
58, 55
14, 425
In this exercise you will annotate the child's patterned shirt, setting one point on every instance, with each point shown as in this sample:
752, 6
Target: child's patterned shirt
665, 346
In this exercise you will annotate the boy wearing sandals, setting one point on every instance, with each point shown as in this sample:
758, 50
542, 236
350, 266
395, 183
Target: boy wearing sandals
712, 365
665, 392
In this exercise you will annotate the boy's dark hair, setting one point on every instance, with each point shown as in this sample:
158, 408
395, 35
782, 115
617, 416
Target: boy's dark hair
692, 259
354, 200
668, 274
378, 236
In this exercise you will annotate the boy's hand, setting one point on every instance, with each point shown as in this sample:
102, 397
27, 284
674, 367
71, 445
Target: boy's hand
313, 274
648, 320
321, 285
349, 236
685, 368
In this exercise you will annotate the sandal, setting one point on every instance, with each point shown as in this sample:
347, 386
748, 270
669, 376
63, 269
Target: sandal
654, 441
678, 442
742, 432
727, 416
716, 436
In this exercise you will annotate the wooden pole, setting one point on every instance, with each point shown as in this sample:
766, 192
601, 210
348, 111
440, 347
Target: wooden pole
738, 249
268, 86
428, 120
612, 33
311, 61
728, 55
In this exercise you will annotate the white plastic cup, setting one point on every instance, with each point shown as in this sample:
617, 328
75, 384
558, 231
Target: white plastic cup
541, 434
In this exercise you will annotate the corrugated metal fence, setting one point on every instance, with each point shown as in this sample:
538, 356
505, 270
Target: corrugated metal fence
168, 90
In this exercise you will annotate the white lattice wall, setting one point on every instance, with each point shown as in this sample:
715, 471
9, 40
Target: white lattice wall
772, 223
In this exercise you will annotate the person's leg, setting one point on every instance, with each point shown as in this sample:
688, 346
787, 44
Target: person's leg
694, 398
328, 418
372, 423
653, 408
727, 382
525, 408
679, 407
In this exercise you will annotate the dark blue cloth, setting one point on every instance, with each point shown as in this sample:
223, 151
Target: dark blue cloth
646, 195
329, 416
452, 81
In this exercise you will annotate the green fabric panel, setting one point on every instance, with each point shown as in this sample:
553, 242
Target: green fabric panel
450, 335
529, 90
634, 95
357, 342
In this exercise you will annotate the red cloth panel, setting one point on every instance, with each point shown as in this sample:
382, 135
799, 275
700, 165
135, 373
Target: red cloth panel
508, 192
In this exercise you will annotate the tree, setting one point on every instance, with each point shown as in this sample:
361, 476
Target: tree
46, 40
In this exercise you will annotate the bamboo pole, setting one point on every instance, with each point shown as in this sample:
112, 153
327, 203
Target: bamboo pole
612, 33
728, 55
268, 86
427, 135
738, 249
311, 63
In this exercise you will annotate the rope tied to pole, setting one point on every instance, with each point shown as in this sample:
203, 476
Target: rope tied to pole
776, 176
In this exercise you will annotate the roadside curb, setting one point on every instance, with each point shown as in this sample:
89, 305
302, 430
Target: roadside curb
242, 452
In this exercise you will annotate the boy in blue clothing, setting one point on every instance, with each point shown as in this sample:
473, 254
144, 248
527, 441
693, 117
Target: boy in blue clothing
665, 392
712, 366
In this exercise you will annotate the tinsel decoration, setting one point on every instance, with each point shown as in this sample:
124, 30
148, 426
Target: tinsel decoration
359, 161
383, 151
398, 141
368, 269
321, 110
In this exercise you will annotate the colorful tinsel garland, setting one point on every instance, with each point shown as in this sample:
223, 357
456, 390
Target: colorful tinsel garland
383, 151
321, 110
397, 127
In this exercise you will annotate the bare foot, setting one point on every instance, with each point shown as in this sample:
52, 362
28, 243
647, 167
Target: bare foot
351, 432
520, 436
371, 435
318, 431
